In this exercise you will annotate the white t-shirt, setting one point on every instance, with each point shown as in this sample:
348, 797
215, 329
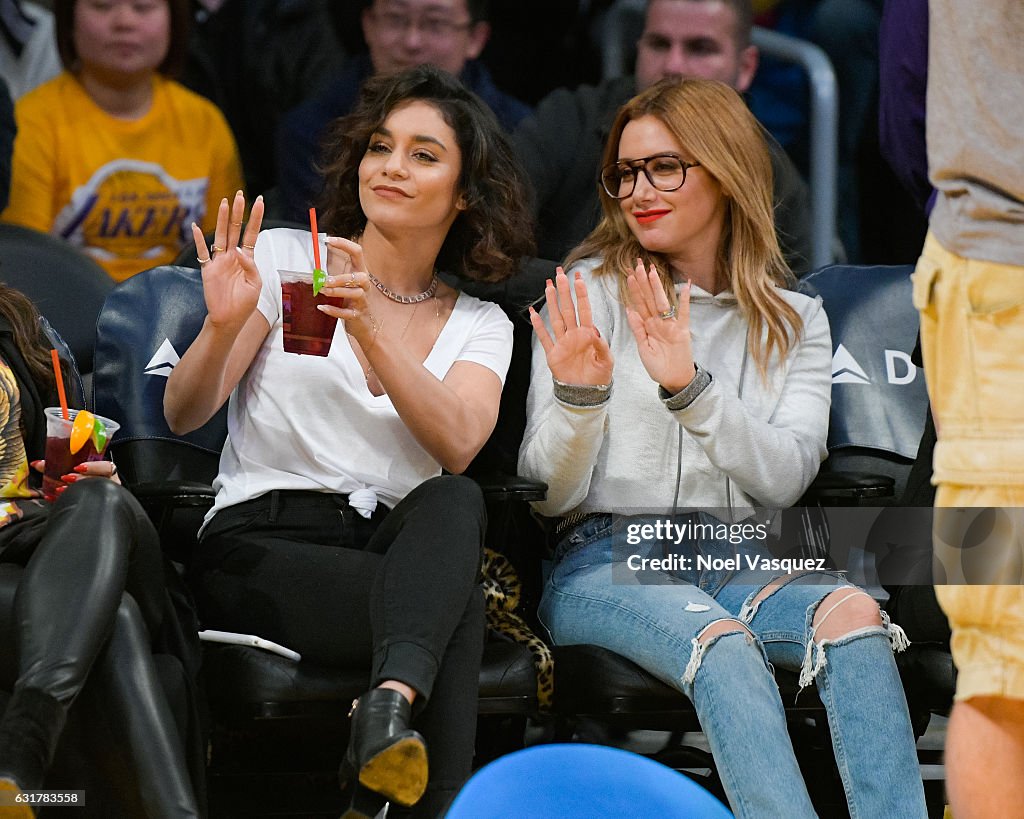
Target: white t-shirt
310, 422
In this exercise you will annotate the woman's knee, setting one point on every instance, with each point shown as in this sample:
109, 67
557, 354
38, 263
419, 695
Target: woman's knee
94, 492
451, 513
721, 627
843, 612
710, 639
455, 493
129, 626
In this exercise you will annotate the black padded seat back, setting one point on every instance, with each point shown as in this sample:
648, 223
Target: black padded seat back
146, 324
66, 286
879, 398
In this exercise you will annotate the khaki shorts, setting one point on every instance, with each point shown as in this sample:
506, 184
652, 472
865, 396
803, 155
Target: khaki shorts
972, 337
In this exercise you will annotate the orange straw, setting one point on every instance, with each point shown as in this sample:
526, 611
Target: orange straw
316, 237
60, 384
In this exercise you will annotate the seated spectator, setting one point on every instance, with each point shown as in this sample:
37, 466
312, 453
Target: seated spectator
686, 382
561, 144
400, 34
28, 49
282, 52
113, 155
82, 591
331, 507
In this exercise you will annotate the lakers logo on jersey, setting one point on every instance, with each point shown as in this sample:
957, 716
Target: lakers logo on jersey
130, 210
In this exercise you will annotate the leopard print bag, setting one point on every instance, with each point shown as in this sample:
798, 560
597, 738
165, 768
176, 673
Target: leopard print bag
502, 594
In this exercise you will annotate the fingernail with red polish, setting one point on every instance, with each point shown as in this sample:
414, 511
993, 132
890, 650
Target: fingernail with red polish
70, 478
60, 490
81, 468
36, 464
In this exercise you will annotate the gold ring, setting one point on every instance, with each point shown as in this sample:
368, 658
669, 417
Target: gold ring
216, 249
249, 247
351, 280
236, 224
204, 261
670, 313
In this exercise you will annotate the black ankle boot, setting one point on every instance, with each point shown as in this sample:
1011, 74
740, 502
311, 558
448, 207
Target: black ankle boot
384, 756
29, 730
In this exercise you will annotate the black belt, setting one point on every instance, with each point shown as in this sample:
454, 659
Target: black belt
574, 520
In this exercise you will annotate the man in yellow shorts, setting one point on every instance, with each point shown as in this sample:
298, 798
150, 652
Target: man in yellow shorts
969, 288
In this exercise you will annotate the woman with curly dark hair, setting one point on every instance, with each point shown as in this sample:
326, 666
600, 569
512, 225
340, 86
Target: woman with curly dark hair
334, 531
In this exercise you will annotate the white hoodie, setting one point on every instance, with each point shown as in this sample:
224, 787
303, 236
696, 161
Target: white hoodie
745, 442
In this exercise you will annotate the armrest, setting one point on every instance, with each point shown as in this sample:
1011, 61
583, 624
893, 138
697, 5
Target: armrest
176, 494
850, 487
502, 487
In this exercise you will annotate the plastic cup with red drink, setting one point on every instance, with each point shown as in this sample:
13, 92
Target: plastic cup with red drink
307, 331
60, 459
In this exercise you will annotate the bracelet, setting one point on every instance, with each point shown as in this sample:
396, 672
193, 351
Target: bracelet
581, 395
373, 338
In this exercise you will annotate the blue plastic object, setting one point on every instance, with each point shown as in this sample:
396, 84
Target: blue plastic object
570, 780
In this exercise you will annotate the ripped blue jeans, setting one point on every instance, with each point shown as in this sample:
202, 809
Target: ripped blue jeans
654, 618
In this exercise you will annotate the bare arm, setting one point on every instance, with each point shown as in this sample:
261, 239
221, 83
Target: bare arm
450, 418
233, 329
565, 434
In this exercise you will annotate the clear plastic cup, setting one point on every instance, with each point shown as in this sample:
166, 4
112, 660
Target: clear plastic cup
307, 331
60, 460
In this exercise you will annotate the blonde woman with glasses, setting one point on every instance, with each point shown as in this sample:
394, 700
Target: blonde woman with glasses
680, 374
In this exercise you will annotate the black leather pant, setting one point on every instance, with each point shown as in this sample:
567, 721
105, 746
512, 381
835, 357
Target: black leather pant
80, 613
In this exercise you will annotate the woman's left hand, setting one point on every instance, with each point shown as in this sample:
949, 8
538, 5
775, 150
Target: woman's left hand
86, 469
347, 279
662, 332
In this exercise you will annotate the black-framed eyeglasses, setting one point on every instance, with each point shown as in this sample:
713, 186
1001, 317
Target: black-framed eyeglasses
665, 172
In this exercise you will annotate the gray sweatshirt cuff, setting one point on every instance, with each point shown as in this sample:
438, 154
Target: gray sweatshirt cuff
688, 394
581, 395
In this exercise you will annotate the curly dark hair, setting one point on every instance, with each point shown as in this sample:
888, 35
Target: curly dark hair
495, 230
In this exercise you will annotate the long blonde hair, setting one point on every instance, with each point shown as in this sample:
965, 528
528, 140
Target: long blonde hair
717, 130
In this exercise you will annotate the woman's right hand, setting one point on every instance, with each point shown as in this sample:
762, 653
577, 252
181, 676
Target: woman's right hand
231, 281
576, 353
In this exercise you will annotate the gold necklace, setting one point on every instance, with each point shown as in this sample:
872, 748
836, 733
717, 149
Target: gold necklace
368, 373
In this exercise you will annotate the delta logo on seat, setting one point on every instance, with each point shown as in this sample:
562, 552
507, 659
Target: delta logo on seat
899, 369
165, 360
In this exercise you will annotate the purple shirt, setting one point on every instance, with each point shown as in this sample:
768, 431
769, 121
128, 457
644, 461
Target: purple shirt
903, 83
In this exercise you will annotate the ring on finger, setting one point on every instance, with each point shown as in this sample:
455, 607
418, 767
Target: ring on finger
248, 247
236, 224
351, 280
216, 249
207, 260
667, 314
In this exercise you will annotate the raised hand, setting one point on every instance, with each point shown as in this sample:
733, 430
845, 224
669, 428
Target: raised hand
576, 353
231, 282
347, 279
662, 332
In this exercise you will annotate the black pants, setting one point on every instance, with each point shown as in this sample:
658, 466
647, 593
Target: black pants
398, 593
81, 594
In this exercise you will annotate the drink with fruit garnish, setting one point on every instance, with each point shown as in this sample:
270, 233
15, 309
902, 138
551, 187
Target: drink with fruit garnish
90, 445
